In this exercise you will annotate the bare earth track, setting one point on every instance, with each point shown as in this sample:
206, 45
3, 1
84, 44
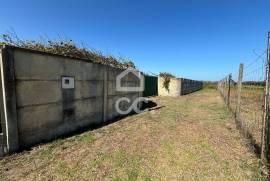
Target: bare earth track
191, 138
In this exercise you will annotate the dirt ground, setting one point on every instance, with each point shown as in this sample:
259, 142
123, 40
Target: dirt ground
191, 137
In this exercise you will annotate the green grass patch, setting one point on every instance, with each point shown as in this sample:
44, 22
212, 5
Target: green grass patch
66, 170
86, 138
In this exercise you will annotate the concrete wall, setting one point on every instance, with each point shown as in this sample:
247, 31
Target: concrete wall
173, 90
189, 86
178, 87
150, 86
3, 145
44, 110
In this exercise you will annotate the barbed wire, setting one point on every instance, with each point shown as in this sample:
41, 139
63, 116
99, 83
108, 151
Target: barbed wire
251, 96
259, 57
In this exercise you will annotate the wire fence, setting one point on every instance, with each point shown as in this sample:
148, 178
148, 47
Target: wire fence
252, 100
245, 93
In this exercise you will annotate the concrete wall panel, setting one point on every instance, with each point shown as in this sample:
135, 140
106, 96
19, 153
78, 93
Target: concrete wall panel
48, 67
173, 90
88, 106
35, 118
56, 130
37, 66
178, 87
38, 92
46, 111
88, 89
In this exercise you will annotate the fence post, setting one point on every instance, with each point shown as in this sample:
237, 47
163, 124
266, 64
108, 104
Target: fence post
229, 90
239, 89
266, 112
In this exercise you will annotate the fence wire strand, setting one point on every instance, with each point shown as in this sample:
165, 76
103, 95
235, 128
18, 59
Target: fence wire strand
250, 112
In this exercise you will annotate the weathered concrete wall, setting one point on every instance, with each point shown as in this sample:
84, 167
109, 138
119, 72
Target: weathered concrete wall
178, 87
174, 88
45, 110
10, 141
189, 86
3, 144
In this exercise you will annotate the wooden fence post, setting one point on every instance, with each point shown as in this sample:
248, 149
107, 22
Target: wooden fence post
265, 154
229, 90
239, 89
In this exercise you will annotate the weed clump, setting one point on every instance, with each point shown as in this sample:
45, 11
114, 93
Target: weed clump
166, 79
65, 47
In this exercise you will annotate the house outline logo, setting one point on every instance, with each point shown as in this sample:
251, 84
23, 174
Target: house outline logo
138, 74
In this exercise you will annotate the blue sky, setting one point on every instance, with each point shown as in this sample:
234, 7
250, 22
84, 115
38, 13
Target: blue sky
198, 39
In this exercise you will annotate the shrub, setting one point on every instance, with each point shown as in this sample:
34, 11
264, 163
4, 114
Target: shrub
166, 79
65, 47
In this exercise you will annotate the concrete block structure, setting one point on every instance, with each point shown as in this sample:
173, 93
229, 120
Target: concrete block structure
44, 96
178, 86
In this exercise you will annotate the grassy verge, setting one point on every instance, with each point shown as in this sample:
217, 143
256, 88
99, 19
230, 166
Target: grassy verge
190, 138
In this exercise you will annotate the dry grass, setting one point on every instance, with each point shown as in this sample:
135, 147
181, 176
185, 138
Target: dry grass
65, 47
191, 138
251, 109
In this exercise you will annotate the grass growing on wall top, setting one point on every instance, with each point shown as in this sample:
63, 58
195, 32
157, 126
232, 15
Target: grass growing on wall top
65, 47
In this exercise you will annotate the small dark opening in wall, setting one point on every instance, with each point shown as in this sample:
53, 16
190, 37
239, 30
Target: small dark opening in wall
66, 81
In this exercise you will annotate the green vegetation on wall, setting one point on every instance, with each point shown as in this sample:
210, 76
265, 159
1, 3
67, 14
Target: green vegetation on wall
167, 79
65, 47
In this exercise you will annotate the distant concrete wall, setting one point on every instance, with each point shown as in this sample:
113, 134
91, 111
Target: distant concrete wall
178, 87
189, 86
44, 110
174, 88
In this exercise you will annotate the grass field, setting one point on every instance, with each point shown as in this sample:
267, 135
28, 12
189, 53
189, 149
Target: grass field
251, 110
189, 138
